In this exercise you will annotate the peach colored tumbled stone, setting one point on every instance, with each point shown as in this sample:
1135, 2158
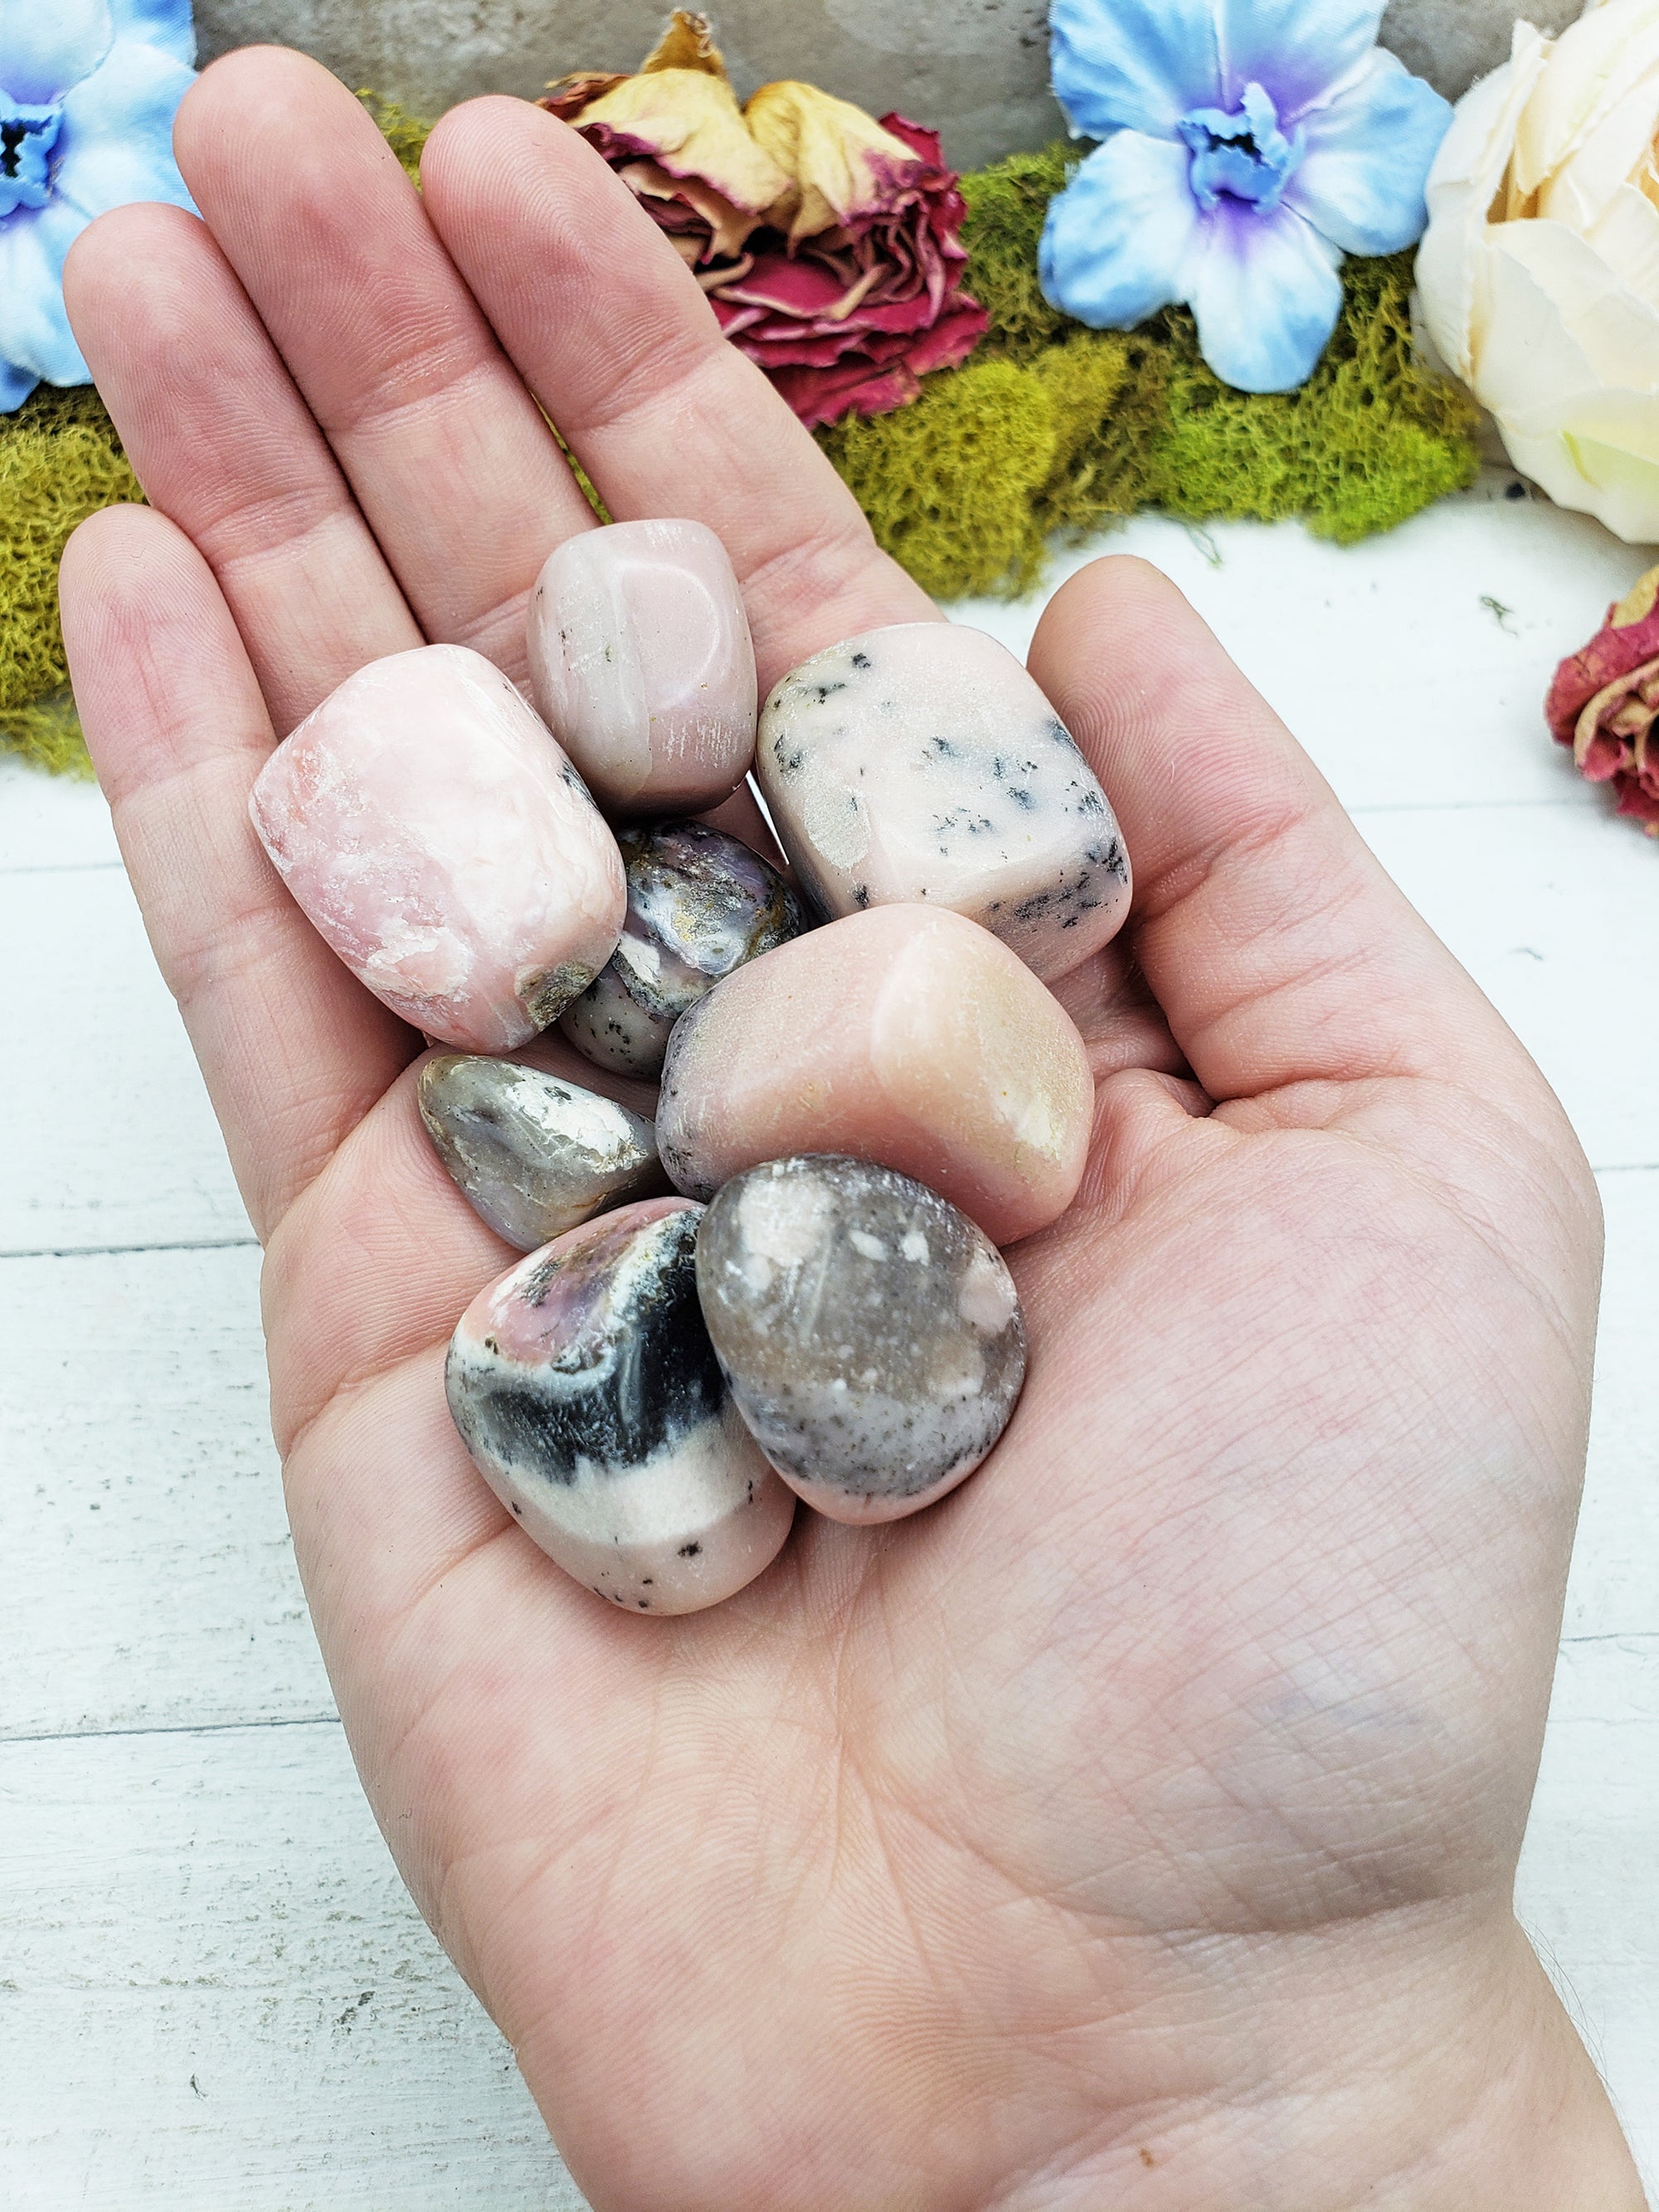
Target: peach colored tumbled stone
905, 1036
923, 762
641, 661
440, 842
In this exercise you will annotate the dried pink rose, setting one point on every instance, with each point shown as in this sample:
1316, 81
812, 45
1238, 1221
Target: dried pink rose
828, 243
1604, 703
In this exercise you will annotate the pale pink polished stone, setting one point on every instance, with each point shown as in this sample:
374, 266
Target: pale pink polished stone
440, 842
906, 1035
923, 762
641, 661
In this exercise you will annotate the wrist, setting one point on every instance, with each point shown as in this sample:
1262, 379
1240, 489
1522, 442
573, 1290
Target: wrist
1453, 2081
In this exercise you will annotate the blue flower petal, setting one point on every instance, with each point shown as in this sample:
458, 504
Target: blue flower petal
16, 386
117, 139
1297, 48
1133, 64
1115, 246
1369, 151
47, 45
167, 24
1266, 293
34, 331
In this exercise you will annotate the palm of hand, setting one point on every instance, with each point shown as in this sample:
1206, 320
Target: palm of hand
974, 1861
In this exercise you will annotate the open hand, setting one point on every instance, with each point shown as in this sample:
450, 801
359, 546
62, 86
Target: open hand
1138, 1827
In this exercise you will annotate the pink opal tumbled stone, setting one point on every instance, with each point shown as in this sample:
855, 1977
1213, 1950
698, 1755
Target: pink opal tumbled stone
587, 1393
922, 763
439, 840
907, 1036
641, 661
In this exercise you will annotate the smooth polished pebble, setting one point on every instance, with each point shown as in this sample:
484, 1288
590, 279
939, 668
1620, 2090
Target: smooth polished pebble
532, 1155
906, 1035
871, 1335
700, 903
640, 660
923, 762
587, 1393
439, 840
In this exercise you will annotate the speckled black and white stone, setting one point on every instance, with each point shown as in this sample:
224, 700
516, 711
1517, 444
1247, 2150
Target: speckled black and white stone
700, 903
922, 763
534, 1155
871, 1335
585, 1389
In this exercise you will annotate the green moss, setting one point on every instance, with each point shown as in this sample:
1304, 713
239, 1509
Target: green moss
1107, 402
584, 482
1138, 421
1368, 440
949, 483
405, 133
60, 461
48, 734
1007, 205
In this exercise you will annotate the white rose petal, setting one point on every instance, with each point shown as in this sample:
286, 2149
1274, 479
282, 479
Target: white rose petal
1594, 65
1626, 238
1539, 275
1615, 330
1467, 177
1579, 190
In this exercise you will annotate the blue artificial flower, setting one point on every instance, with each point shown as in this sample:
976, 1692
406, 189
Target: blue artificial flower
1247, 145
89, 89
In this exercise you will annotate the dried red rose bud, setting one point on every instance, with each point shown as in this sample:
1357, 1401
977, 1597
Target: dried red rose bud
675, 135
829, 244
861, 296
1604, 703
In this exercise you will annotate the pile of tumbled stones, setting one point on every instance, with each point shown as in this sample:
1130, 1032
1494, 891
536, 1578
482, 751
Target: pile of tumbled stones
866, 1087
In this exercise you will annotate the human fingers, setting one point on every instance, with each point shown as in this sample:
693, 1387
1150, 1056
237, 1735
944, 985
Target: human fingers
225, 446
1121, 1024
365, 1280
293, 1049
457, 473
1279, 951
609, 329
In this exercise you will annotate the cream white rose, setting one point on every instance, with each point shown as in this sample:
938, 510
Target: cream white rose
1539, 274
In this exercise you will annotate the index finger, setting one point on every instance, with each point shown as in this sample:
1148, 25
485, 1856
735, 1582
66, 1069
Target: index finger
609, 329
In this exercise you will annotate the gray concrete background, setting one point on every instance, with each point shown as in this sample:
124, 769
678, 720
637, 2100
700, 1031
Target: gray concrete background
976, 69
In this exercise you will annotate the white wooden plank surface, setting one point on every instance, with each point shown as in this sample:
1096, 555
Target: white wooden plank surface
1385, 659
193, 1882
225, 2000
134, 1403
1587, 1889
1614, 1588
1533, 899
128, 1152
49, 821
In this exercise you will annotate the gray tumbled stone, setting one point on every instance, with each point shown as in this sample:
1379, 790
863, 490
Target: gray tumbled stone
534, 1155
871, 1335
699, 905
